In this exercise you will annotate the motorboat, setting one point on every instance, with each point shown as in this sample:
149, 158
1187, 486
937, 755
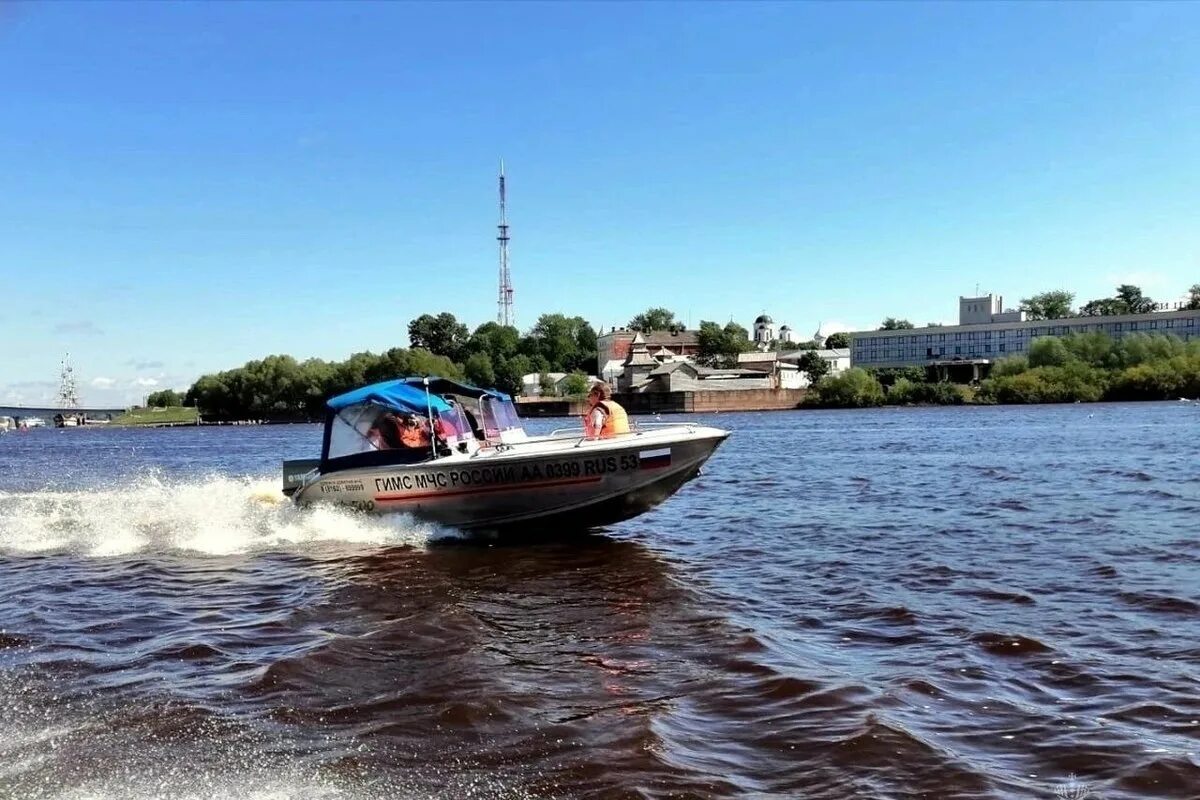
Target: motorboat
478, 469
7, 424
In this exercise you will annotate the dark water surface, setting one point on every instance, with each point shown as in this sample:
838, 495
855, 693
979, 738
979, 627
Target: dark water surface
943, 603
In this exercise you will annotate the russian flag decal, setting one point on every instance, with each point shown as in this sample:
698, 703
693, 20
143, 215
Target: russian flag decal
654, 459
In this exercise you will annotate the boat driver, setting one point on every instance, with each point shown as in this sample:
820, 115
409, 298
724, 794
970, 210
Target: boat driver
605, 417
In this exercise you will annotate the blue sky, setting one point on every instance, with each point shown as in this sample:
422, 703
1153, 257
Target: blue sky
186, 186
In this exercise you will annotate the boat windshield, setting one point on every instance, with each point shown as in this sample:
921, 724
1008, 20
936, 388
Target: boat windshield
369, 428
500, 420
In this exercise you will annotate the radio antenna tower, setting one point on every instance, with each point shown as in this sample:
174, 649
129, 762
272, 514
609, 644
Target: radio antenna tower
68, 395
504, 311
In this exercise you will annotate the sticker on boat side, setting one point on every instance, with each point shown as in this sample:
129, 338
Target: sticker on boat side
591, 469
336, 487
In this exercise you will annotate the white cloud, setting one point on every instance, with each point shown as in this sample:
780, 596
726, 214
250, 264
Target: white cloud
146, 382
103, 383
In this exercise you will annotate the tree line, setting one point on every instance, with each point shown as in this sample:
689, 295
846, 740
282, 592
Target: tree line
1080, 367
1060, 304
493, 355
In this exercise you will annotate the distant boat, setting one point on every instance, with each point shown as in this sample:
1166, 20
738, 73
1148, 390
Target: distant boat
7, 424
32, 422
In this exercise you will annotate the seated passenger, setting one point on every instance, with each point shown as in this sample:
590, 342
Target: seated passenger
384, 433
605, 417
414, 433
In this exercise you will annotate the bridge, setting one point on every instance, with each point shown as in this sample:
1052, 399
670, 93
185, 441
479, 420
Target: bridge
47, 413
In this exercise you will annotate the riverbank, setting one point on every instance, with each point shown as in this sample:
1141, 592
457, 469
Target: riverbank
157, 417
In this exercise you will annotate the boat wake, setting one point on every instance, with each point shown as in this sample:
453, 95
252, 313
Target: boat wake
216, 515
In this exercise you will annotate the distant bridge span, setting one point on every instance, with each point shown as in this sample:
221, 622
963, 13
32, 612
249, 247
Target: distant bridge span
47, 412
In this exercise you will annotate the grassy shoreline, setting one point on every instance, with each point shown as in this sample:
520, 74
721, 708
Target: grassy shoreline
154, 417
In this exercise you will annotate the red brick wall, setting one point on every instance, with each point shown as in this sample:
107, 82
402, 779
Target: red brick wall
745, 400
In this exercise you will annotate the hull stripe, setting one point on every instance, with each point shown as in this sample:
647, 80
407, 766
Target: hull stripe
390, 498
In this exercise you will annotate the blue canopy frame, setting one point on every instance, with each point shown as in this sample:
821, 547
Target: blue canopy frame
413, 395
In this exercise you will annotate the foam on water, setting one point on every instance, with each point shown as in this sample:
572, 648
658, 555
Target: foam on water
215, 515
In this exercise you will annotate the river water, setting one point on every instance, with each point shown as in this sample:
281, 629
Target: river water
946, 603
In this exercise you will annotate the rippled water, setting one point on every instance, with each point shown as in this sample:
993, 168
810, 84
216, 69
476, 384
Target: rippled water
978, 602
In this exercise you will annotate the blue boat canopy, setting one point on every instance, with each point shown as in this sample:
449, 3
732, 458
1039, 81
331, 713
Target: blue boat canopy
412, 395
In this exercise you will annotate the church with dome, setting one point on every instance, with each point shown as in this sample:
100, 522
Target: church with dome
765, 335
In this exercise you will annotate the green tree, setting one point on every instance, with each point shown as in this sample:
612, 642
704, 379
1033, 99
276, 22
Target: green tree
1048, 351
575, 384
479, 370
1128, 300
442, 335
719, 346
1048, 305
655, 319
1012, 365
1103, 307
400, 363
167, 398
889, 375
510, 372
893, 324
546, 385
496, 340
1193, 297
1133, 300
854, 388
814, 366
837, 341
566, 343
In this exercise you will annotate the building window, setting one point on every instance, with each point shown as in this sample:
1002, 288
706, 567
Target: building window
1170, 323
999, 334
958, 337
958, 351
1133, 326
1153, 324
1002, 347
1191, 323
987, 348
1116, 326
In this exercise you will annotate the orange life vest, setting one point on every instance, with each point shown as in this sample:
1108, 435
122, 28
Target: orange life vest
414, 435
615, 420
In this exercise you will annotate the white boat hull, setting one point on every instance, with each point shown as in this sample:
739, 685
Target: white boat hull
557, 482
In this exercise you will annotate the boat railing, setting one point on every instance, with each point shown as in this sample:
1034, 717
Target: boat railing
573, 433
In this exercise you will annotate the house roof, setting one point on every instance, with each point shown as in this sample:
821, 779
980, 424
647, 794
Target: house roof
639, 357
837, 352
755, 356
668, 368
667, 338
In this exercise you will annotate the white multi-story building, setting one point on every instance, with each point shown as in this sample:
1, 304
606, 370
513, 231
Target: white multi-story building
985, 332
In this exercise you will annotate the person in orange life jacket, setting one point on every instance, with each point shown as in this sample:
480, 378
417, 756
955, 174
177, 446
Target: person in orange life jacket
605, 417
413, 432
